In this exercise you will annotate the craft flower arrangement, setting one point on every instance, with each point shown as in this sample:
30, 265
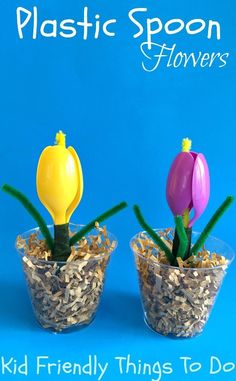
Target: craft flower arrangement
65, 273
181, 271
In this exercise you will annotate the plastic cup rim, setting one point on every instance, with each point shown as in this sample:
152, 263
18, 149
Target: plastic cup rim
230, 260
95, 258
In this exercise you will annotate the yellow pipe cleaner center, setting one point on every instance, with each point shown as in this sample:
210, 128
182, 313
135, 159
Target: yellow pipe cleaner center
186, 145
61, 139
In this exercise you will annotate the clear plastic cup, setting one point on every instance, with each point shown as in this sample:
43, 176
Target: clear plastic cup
178, 301
65, 295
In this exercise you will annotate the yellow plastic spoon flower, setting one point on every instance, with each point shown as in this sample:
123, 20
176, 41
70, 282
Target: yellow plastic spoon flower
59, 180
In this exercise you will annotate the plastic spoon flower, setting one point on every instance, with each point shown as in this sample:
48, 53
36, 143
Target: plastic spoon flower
59, 180
59, 183
60, 187
188, 188
188, 184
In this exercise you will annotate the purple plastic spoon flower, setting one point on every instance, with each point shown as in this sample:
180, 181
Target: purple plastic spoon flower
188, 183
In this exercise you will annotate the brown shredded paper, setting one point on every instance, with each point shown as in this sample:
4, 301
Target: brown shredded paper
177, 300
66, 294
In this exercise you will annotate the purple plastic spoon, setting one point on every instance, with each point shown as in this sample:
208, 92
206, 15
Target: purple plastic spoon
188, 185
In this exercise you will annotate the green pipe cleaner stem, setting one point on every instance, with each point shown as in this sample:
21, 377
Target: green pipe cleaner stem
32, 211
183, 239
153, 234
86, 229
62, 250
214, 219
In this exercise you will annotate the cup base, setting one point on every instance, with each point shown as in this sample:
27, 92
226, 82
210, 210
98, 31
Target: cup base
65, 330
170, 335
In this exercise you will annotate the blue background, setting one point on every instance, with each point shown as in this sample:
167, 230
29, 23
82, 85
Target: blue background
126, 125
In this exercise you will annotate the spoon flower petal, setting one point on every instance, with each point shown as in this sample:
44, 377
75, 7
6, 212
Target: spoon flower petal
59, 180
188, 183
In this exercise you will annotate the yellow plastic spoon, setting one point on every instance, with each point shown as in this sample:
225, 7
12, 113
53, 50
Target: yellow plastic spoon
59, 180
